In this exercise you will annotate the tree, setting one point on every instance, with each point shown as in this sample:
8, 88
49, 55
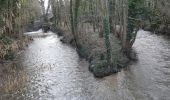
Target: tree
15, 14
106, 33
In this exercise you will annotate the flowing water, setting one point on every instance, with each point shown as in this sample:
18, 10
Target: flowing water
55, 72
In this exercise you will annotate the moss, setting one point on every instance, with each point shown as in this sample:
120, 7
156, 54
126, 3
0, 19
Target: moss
5, 40
123, 62
9, 56
83, 52
101, 68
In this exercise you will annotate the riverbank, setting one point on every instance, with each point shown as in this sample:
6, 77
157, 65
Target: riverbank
92, 47
11, 46
13, 77
10, 71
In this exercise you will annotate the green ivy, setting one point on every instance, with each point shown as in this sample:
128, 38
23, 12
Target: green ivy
106, 33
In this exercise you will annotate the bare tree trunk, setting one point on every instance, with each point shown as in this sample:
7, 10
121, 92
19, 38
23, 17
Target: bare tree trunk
72, 23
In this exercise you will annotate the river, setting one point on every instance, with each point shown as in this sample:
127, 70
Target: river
55, 72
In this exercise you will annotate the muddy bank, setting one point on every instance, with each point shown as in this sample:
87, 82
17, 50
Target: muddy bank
92, 47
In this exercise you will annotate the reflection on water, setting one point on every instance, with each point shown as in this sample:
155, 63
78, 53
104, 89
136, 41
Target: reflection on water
56, 73
147, 77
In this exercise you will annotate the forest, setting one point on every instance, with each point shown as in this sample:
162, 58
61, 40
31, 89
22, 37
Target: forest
105, 33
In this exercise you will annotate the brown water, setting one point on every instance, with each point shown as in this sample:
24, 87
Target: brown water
55, 72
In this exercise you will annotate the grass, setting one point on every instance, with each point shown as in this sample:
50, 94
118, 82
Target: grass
13, 78
9, 46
